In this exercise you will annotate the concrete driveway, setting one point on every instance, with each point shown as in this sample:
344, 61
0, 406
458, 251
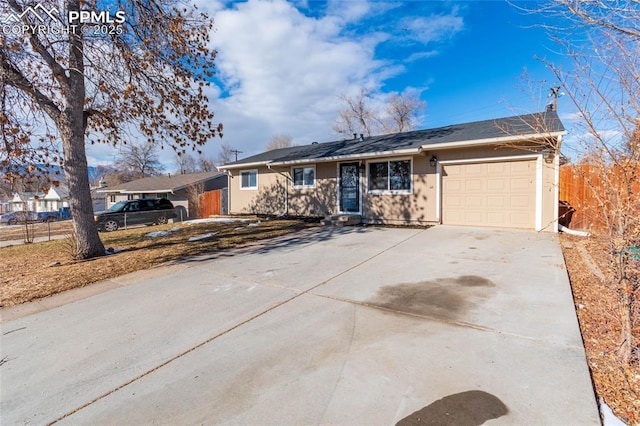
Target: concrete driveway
451, 325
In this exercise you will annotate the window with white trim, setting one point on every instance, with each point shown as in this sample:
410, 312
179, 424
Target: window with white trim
393, 177
249, 179
304, 177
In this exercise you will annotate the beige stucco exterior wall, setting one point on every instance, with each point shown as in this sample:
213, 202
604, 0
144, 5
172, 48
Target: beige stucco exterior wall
276, 195
318, 201
269, 198
418, 207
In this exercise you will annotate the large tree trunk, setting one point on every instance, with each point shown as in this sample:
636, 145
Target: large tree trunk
75, 168
72, 126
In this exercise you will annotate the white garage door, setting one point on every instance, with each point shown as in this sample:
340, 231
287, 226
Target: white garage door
490, 194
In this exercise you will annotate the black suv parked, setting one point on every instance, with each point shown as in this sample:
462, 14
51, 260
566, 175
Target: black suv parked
144, 211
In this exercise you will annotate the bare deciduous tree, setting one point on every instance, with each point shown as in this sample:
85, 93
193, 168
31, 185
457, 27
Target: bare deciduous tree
227, 154
186, 163
279, 141
193, 197
78, 87
206, 164
139, 161
400, 114
358, 116
603, 85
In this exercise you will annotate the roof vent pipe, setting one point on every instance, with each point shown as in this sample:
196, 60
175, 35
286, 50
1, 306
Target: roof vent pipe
361, 137
355, 136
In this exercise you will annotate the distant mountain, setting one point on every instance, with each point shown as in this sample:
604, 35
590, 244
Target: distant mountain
94, 172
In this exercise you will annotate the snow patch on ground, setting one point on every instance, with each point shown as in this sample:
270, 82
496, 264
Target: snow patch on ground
202, 237
216, 219
608, 418
253, 224
157, 234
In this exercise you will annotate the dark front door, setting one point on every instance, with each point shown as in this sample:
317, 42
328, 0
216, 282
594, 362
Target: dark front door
350, 187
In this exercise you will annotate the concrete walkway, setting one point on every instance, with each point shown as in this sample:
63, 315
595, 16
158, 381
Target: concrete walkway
329, 326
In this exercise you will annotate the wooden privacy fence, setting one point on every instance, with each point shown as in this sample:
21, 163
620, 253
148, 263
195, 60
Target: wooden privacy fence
210, 203
587, 187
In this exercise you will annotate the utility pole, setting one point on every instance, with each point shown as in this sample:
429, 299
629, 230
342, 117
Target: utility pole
236, 152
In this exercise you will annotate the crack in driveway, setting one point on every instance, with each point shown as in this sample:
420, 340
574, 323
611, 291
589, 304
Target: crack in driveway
240, 324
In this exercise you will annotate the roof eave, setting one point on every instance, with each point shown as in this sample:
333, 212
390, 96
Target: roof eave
242, 166
130, 191
492, 141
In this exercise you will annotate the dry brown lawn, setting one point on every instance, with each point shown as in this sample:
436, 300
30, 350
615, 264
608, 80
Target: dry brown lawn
32, 271
596, 304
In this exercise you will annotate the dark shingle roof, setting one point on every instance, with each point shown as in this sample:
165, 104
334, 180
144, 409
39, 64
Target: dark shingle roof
515, 127
162, 183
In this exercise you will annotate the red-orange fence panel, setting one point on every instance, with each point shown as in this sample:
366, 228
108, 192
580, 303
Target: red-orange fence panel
599, 194
210, 203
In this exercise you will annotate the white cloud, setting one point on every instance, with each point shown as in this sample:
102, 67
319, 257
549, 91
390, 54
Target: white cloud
433, 28
571, 116
284, 71
281, 66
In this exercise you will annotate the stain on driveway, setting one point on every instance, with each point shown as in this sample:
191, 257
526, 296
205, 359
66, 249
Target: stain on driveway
440, 298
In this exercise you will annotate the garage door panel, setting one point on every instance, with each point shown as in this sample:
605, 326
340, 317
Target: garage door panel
490, 194
453, 185
520, 220
454, 202
474, 170
496, 168
496, 218
473, 184
520, 202
474, 217
521, 184
474, 202
497, 202
494, 184
522, 167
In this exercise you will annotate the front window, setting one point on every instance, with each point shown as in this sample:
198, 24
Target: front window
249, 179
390, 176
304, 177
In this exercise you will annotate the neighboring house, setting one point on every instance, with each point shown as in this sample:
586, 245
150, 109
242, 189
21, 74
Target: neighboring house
99, 199
24, 201
56, 198
179, 189
501, 173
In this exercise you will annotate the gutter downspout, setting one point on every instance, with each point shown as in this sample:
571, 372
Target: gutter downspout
573, 231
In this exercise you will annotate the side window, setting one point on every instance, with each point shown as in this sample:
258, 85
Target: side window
149, 205
249, 179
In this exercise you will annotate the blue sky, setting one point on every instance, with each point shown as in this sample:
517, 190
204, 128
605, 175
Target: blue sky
282, 66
